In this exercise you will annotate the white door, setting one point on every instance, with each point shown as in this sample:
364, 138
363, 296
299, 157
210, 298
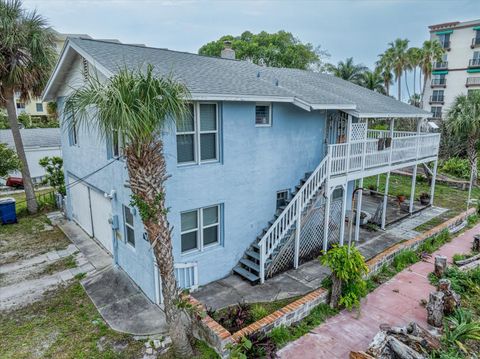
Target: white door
101, 213
80, 199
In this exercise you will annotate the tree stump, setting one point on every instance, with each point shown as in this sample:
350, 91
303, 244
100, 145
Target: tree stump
444, 285
440, 266
476, 243
435, 309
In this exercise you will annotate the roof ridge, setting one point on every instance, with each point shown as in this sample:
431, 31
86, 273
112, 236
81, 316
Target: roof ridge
162, 49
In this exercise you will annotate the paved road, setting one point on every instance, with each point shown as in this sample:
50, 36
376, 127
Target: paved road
396, 302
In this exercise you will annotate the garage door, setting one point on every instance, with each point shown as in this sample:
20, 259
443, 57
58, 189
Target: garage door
101, 213
79, 194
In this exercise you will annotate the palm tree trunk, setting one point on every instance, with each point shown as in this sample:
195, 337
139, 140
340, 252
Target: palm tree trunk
32, 206
147, 173
415, 80
406, 84
423, 89
472, 158
399, 87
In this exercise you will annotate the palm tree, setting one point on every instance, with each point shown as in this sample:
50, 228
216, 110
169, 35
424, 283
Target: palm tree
399, 61
414, 100
373, 80
385, 66
138, 106
27, 53
347, 70
432, 51
463, 120
414, 55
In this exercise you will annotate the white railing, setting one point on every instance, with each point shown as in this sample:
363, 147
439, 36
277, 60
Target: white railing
291, 214
386, 133
187, 275
371, 153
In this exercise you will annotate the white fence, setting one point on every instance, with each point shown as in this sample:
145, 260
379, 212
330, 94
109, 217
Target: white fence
187, 275
380, 150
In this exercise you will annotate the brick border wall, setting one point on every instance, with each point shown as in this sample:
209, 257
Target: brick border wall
218, 337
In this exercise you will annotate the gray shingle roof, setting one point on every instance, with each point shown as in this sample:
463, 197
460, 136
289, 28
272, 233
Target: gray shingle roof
33, 137
212, 75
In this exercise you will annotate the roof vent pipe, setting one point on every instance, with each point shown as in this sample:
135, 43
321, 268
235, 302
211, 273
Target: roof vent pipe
227, 52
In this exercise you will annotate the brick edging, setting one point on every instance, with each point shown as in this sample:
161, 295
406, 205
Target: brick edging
217, 336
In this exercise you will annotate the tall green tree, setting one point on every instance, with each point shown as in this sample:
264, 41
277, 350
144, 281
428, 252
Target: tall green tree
385, 67
414, 55
27, 56
348, 70
137, 105
400, 61
463, 120
432, 51
9, 161
373, 80
280, 49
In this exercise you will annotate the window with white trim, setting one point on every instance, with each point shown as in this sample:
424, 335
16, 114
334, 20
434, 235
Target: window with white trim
116, 144
200, 228
263, 116
129, 228
197, 134
39, 107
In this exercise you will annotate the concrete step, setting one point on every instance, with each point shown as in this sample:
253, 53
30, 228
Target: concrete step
245, 274
252, 265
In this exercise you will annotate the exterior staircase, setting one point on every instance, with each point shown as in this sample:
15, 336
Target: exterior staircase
282, 227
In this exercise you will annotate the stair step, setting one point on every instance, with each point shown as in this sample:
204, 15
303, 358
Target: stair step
245, 273
253, 254
250, 264
308, 174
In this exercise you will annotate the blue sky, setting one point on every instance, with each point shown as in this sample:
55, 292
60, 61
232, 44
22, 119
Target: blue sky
357, 28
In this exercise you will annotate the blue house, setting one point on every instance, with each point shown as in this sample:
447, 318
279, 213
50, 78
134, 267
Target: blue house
262, 172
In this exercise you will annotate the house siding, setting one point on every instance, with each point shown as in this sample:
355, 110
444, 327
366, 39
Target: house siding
255, 163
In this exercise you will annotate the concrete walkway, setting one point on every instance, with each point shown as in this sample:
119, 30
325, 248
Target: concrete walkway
396, 302
120, 302
232, 289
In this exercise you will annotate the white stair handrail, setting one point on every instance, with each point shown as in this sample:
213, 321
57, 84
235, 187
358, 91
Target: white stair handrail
289, 215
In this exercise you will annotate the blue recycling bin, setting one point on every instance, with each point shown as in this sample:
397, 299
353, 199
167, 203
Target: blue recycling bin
8, 213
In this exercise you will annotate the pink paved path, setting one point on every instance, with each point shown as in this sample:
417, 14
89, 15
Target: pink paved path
396, 302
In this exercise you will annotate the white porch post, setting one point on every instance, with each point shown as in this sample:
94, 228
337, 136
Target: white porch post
326, 218
298, 224
384, 211
344, 212
359, 209
434, 177
412, 191
378, 182
415, 168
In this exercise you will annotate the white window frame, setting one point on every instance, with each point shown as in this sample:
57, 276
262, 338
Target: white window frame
200, 228
269, 105
197, 132
131, 226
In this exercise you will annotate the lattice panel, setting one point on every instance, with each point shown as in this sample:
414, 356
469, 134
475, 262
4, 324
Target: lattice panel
358, 132
311, 236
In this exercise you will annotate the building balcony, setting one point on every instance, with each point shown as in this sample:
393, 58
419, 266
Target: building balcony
475, 42
474, 63
439, 83
473, 81
436, 100
380, 152
440, 65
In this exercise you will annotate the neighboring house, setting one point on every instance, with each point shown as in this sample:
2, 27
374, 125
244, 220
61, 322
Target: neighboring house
38, 143
256, 134
459, 71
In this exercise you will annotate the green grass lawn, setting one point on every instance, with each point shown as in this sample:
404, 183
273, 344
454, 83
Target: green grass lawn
445, 196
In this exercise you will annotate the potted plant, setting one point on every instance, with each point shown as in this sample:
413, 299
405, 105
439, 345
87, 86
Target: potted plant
373, 191
424, 198
401, 198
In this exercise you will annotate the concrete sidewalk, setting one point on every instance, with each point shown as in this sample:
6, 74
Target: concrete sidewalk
295, 282
396, 302
119, 301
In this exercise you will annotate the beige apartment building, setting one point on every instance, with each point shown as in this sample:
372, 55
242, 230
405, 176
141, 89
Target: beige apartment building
459, 71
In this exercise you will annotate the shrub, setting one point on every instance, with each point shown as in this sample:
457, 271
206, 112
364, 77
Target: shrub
460, 327
233, 318
348, 266
404, 259
457, 167
258, 311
